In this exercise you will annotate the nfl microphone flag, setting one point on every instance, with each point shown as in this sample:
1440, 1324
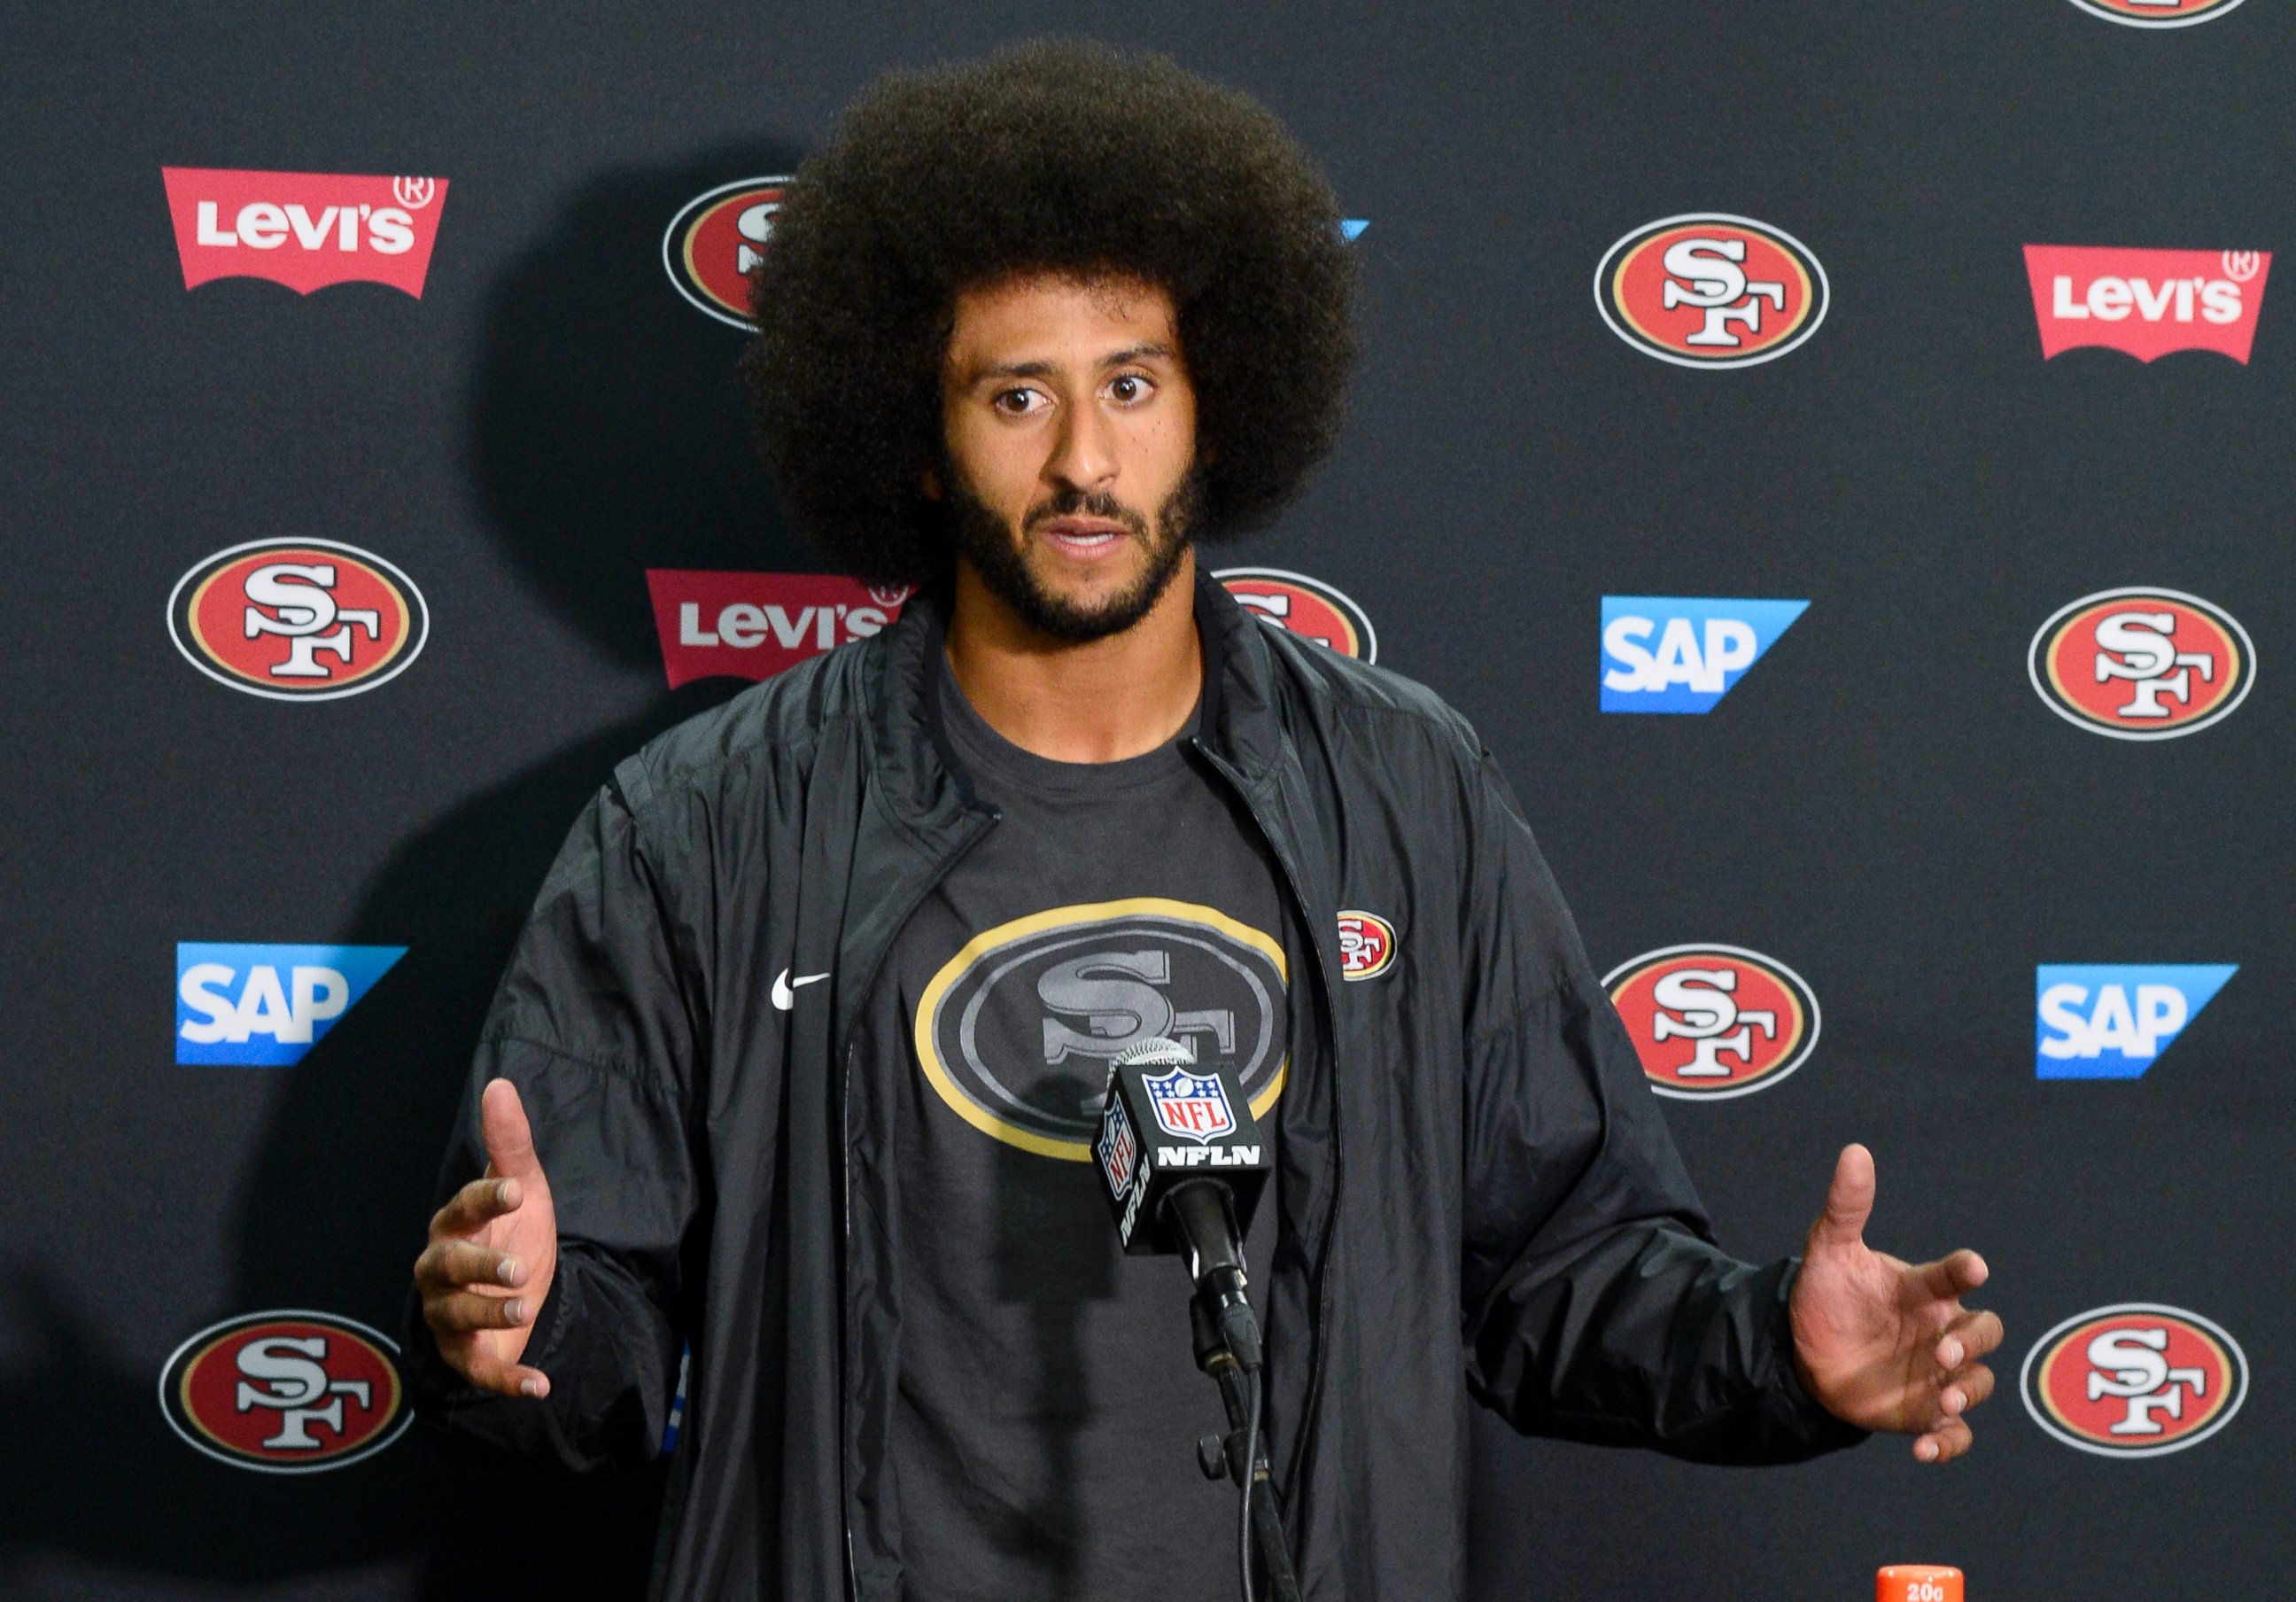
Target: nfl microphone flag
1166, 1124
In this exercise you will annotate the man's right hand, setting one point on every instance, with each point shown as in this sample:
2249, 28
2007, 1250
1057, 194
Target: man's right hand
493, 1250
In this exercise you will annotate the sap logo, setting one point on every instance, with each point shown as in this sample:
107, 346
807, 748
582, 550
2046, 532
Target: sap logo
1207, 1157
1667, 654
2100, 1022
306, 230
2146, 303
259, 1006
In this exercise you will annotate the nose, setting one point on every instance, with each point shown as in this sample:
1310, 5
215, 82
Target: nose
1084, 451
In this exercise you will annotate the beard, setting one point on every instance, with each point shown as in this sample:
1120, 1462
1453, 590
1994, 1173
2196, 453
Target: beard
983, 539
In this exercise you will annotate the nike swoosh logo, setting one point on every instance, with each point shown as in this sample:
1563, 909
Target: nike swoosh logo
785, 988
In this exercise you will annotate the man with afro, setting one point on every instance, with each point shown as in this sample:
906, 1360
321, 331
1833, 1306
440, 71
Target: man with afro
797, 1066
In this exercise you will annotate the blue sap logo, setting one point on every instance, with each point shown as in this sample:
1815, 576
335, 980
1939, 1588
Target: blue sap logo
2100, 1022
264, 1006
1667, 654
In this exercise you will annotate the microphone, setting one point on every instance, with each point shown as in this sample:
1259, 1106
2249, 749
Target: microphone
1185, 1165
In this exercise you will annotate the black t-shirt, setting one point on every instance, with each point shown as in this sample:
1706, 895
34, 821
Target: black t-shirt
1049, 1400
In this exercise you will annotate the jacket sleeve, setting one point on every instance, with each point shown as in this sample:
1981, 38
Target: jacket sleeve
1597, 1307
595, 1023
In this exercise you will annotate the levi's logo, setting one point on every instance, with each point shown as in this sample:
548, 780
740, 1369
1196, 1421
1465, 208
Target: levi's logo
754, 625
2147, 303
306, 230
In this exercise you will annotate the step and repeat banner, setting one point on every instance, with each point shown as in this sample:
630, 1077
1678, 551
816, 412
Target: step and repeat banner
1840, 456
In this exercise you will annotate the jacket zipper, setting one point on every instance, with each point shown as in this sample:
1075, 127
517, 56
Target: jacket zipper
1319, 1317
845, 1153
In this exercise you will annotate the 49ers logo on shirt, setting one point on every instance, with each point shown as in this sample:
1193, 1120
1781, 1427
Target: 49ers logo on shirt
716, 240
1307, 607
1366, 945
2134, 1380
1709, 290
1711, 1020
2142, 664
285, 1392
2147, 303
298, 619
2156, 13
306, 230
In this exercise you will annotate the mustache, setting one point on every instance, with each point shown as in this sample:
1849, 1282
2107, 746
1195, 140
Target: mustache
1069, 503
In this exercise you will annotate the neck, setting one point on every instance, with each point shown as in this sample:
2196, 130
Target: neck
1100, 701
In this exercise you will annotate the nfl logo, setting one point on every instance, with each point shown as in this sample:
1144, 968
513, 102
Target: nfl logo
1117, 1149
1189, 1104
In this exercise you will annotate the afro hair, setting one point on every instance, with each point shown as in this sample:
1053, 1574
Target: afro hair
1053, 156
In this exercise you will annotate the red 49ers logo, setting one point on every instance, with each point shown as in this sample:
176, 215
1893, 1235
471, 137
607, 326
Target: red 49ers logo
306, 619
2141, 664
2134, 1380
1366, 945
1307, 607
716, 240
1710, 1022
2156, 13
1710, 290
285, 1392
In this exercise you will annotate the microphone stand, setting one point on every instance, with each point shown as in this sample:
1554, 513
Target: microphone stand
1222, 1457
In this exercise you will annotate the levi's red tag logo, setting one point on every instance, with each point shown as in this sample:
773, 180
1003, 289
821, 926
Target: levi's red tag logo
754, 625
306, 230
2147, 302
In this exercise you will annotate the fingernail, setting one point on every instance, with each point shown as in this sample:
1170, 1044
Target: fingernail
529, 1387
1951, 1355
509, 1270
507, 1193
515, 1309
1926, 1451
1952, 1400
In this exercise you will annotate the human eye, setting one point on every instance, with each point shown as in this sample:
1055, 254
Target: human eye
1019, 401
1130, 388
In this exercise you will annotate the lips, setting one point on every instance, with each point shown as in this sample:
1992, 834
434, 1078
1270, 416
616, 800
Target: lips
1084, 538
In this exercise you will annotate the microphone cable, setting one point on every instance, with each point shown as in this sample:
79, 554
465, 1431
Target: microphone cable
1251, 1475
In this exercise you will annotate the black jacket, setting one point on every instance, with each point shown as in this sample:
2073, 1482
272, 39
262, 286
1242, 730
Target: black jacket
1478, 1197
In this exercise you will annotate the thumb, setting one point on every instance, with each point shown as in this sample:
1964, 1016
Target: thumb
510, 1142
1849, 1201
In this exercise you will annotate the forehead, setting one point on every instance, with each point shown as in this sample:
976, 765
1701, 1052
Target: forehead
1049, 316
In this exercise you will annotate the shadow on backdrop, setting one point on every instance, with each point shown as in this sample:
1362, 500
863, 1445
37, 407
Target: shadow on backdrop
606, 433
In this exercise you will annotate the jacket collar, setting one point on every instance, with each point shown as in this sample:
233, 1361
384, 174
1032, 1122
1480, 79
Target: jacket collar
928, 789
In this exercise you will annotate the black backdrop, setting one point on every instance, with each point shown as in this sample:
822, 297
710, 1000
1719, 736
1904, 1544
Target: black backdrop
1883, 804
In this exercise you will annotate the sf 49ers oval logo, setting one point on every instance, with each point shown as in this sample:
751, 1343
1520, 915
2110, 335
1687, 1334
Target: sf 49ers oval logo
285, 1392
2156, 13
1710, 290
2134, 1380
2142, 664
1712, 1021
1366, 945
1307, 607
298, 619
716, 240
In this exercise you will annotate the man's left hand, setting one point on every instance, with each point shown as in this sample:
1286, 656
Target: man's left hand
1885, 1345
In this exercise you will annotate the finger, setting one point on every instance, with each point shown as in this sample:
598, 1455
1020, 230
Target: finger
505, 1379
1973, 1334
459, 1313
478, 1203
510, 1141
1966, 1390
1849, 1200
448, 1264
1948, 1277
1944, 1444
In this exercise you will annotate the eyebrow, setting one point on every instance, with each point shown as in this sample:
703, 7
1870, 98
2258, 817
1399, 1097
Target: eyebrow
1040, 369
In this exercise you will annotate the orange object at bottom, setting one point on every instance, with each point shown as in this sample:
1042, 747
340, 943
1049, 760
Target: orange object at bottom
1918, 1582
